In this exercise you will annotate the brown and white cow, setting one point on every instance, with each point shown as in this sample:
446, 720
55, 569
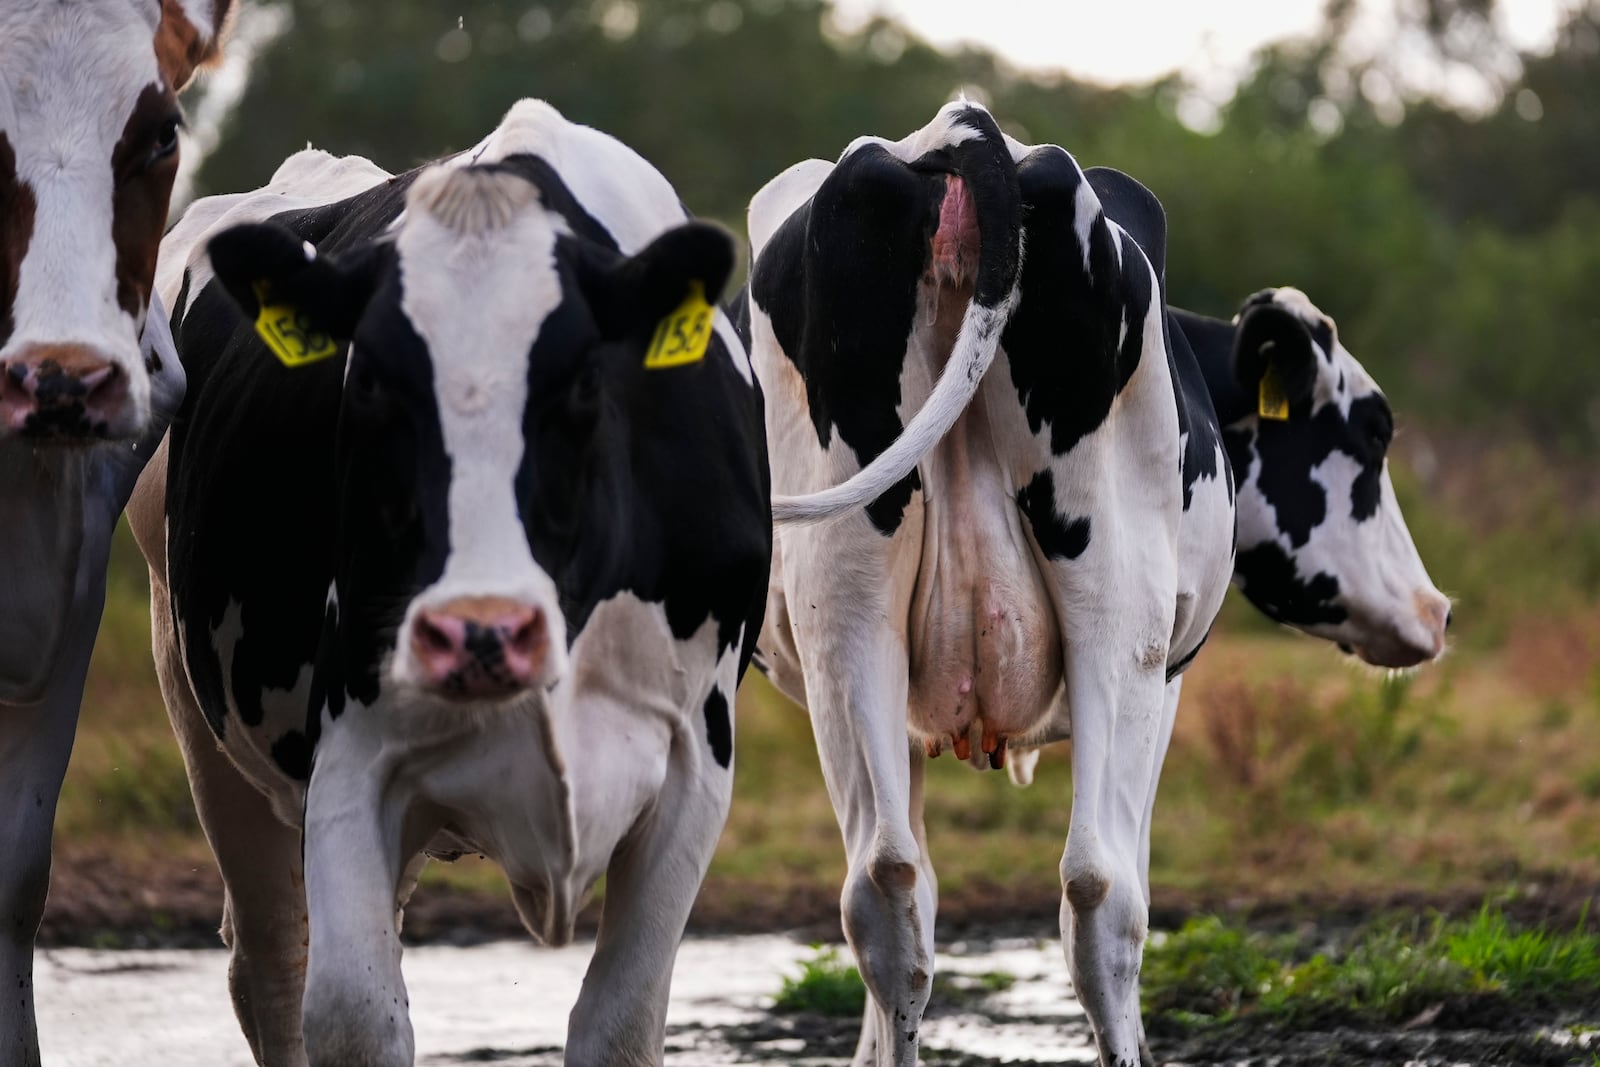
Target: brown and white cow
89, 125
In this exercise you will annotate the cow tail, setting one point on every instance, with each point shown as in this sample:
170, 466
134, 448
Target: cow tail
984, 163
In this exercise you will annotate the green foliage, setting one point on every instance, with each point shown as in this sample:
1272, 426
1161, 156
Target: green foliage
1208, 969
1538, 962
826, 985
1387, 972
1387, 975
1455, 254
1382, 731
138, 785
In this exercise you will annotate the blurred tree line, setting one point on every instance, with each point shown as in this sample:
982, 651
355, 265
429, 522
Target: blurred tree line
1460, 253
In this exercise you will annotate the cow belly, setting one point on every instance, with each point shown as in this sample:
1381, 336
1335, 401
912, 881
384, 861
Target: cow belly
985, 645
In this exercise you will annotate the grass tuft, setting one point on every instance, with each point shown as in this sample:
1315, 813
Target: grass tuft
1388, 972
1538, 963
826, 985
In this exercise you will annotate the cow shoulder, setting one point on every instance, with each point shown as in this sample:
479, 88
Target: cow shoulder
251, 490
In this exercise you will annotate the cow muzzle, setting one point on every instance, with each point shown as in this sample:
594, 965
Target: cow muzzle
482, 648
68, 393
1414, 640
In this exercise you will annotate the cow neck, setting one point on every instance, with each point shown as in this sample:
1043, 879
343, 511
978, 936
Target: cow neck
1212, 342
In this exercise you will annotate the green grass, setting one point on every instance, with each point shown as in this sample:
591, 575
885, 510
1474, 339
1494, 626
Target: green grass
1387, 972
826, 985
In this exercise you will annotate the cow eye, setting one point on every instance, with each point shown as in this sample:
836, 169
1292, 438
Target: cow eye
583, 398
166, 139
364, 383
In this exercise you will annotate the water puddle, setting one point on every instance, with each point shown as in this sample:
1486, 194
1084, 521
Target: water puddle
507, 1003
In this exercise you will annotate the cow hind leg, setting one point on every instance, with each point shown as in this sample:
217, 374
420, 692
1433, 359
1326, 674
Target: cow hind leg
264, 910
926, 897
857, 690
1116, 728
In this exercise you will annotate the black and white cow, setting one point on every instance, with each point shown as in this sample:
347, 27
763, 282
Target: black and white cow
1322, 545
1045, 569
88, 150
483, 580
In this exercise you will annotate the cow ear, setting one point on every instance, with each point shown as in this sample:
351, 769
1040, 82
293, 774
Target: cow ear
261, 263
1273, 343
634, 295
190, 36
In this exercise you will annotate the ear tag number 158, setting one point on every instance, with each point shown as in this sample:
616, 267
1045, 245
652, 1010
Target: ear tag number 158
290, 334
682, 337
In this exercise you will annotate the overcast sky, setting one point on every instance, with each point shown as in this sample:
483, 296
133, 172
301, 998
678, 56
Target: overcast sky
1113, 41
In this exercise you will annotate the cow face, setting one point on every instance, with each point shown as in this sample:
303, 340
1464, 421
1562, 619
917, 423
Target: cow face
88, 150
486, 344
1322, 544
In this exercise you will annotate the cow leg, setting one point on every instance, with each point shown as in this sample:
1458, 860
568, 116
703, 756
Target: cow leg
264, 911
356, 1010
856, 680
872, 1036
620, 1018
35, 744
1116, 727
1169, 716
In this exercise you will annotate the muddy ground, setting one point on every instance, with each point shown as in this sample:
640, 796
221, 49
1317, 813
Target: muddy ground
126, 978
506, 1003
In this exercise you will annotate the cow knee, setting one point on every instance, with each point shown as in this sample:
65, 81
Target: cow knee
1092, 884
356, 1027
881, 888
22, 894
1087, 875
883, 924
1086, 887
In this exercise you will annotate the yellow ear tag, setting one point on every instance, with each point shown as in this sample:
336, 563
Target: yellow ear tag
682, 337
289, 333
1274, 405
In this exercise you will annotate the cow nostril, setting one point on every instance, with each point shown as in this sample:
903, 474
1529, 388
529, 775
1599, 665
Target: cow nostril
530, 635
106, 386
1449, 616
431, 636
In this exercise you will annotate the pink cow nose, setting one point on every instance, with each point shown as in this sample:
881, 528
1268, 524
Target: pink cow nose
477, 647
61, 391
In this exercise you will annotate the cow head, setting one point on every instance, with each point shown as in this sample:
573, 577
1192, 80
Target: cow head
488, 346
89, 124
1322, 544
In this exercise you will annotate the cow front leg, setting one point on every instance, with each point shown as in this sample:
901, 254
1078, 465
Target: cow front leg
1117, 713
620, 1018
264, 913
856, 684
35, 744
356, 1011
